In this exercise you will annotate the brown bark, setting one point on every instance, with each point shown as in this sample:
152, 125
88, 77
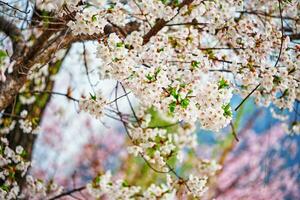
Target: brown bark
12, 31
35, 111
42, 50
295, 36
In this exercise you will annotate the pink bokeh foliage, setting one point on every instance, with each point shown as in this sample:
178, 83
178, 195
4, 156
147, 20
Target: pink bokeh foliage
261, 168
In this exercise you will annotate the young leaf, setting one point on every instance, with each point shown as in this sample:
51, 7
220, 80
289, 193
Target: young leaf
223, 84
185, 103
172, 107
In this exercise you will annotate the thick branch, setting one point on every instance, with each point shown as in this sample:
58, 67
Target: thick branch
14, 33
14, 81
294, 36
266, 14
162, 23
42, 52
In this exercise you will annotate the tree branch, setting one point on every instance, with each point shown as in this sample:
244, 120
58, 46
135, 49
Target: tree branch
42, 52
68, 192
15, 34
294, 36
162, 23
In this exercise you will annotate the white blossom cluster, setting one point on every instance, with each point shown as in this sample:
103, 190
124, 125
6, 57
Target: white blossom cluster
176, 89
105, 186
208, 167
25, 124
55, 5
93, 21
94, 105
38, 77
155, 145
197, 186
168, 68
114, 189
153, 10
13, 168
36, 188
88, 22
12, 165
163, 191
7, 125
215, 112
158, 145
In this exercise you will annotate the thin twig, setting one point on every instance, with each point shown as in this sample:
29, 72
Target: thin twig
247, 97
282, 34
234, 132
277, 61
14, 8
86, 67
52, 93
68, 192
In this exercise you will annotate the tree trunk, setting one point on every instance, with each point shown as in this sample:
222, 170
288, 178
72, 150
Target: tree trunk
35, 111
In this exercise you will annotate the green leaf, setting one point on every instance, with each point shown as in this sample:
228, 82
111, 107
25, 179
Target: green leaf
164, 1
112, 6
5, 187
223, 84
160, 50
157, 72
227, 110
116, 59
125, 184
23, 154
173, 92
195, 64
149, 77
35, 120
93, 97
128, 46
287, 1
94, 18
172, 107
277, 80
97, 179
176, 2
120, 44
185, 103
3, 54
183, 85
11, 175
209, 53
